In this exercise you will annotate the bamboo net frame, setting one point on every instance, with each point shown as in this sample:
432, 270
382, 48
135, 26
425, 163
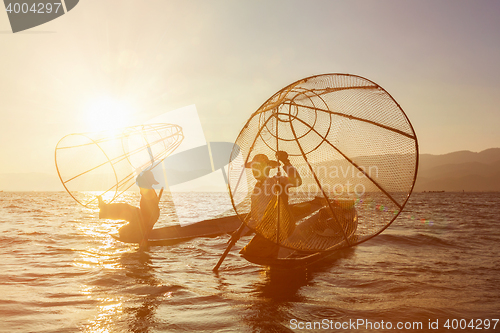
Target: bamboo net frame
106, 163
354, 148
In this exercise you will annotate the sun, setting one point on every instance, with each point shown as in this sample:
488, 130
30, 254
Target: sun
108, 113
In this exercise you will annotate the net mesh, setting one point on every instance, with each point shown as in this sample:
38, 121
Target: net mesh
354, 149
107, 163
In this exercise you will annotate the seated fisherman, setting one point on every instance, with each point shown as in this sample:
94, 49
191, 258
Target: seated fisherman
264, 202
140, 220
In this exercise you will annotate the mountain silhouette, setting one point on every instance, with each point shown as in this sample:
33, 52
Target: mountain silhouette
460, 171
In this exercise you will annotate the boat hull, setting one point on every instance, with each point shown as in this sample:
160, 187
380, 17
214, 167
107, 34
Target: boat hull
207, 228
291, 259
177, 234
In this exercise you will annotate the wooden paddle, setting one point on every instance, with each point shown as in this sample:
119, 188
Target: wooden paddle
234, 238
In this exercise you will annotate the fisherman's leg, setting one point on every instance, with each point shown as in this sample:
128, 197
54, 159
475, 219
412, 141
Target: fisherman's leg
118, 211
150, 213
131, 232
302, 209
261, 247
329, 221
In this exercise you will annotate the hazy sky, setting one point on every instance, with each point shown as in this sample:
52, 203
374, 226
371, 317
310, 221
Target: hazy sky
438, 59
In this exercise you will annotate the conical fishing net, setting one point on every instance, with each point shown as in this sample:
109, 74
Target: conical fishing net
353, 148
107, 163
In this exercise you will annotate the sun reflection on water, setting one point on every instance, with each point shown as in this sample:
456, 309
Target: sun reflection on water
101, 256
106, 318
101, 249
122, 283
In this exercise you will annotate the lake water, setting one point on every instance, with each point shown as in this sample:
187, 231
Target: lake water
60, 271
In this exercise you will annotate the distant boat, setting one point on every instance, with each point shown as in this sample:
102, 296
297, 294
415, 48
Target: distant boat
433, 191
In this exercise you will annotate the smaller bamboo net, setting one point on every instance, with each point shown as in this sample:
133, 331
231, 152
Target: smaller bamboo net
107, 163
356, 153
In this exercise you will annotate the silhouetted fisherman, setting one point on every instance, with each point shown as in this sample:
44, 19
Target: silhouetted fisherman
140, 220
264, 202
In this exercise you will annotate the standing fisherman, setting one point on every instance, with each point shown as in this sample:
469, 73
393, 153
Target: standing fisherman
264, 202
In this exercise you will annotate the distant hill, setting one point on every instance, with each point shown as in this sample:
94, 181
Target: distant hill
486, 156
460, 171
457, 171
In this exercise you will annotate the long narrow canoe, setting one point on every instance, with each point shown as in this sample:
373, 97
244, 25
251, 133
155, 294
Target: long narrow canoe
176, 233
207, 228
287, 259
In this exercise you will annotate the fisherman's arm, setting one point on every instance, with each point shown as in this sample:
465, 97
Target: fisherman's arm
292, 173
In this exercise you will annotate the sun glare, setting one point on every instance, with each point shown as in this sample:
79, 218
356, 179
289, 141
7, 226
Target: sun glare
106, 113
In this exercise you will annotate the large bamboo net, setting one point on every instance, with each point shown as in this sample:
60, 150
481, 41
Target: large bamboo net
356, 153
107, 163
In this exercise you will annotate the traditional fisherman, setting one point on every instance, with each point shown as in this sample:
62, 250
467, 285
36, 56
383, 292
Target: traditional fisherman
140, 219
264, 202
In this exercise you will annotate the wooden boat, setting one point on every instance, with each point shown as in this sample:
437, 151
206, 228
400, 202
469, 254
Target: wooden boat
207, 228
287, 258
291, 259
176, 233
